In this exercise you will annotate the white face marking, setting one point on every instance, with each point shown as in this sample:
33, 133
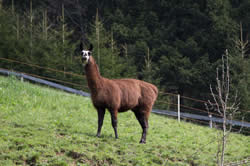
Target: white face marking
85, 56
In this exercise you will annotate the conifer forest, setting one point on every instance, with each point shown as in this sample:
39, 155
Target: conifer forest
175, 44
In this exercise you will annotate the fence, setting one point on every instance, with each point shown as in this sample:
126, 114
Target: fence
199, 118
44, 82
176, 108
238, 163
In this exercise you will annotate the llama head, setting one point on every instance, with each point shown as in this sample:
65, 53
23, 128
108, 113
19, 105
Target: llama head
85, 54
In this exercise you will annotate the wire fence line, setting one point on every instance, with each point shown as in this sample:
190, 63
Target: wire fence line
41, 67
82, 76
238, 163
44, 82
171, 101
193, 117
201, 118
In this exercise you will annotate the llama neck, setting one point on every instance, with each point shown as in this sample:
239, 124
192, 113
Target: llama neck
93, 75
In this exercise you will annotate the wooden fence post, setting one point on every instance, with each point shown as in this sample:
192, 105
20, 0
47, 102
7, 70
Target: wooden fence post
210, 121
179, 109
1, 3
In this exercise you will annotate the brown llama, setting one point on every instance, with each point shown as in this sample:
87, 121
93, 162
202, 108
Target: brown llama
118, 95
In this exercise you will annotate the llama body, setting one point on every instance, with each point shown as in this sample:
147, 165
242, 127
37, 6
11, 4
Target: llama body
114, 94
119, 95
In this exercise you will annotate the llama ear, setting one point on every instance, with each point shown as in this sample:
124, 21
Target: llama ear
91, 47
81, 46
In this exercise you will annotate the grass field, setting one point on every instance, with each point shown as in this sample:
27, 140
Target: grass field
43, 126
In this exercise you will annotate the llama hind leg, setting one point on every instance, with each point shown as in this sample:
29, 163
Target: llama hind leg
101, 113
142, 117
114, 122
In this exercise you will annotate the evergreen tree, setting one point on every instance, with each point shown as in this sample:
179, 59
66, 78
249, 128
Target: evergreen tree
241, 73
186, 40
106, 53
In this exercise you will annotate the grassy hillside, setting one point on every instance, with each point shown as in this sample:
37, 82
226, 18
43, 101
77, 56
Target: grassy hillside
43, 126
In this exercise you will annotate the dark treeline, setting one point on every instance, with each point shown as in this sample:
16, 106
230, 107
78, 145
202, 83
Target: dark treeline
174, 44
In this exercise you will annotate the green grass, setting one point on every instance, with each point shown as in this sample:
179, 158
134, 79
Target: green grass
43, 126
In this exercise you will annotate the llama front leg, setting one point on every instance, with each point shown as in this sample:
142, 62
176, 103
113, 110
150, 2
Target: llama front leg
101, 113
114, 121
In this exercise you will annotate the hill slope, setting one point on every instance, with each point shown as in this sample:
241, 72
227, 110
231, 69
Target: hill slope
43, 126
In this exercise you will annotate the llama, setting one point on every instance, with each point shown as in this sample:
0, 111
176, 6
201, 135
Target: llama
118, 95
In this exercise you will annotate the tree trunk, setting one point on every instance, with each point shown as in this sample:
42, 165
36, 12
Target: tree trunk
223, 142
17, 27
63, 40
97, 23
31, 28
12, 6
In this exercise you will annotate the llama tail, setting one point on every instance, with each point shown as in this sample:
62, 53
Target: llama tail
155, 89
